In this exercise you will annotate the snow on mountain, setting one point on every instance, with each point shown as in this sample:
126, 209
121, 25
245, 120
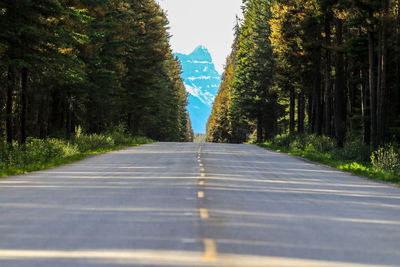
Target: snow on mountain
202, 82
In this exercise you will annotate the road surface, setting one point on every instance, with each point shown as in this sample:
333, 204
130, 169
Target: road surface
185, 204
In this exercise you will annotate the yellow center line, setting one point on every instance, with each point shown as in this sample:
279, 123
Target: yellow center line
210, 249
204, 213
200, 194
201, 183
203, 174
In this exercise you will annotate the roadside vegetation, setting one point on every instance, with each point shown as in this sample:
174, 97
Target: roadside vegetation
38, 154
300, 71
354, 156
97, 64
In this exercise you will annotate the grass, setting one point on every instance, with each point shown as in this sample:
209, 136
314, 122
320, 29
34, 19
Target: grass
39, 154
354, 157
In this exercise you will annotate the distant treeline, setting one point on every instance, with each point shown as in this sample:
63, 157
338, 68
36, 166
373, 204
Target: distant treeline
94, 64
326, 67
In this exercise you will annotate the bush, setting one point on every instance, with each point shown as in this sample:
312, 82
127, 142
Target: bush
355, 156
353, 150
42, 150
282, 140
321, 144
40, 153
3, 154
91, 142
119, 134
386, 158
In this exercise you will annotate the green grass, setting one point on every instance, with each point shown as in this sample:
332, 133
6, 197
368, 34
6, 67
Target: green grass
353, 158
39, 154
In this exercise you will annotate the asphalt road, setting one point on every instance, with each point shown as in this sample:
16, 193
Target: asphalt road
174, 204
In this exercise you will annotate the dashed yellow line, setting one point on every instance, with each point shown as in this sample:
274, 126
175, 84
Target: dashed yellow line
204, 213
201, 183
203, 174
210, 250
200, 194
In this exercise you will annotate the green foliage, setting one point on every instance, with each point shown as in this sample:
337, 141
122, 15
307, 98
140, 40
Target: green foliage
351, 158
325, 67
254, 102
322, 144
247, 101
98, 64
353, 150
386, 158
93, 141
219, 123
38, 154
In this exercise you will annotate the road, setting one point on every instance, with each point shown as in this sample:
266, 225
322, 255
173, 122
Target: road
185, 204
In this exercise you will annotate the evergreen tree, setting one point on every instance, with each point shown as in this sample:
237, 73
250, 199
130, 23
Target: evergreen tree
329, 65
95, 64
254, 102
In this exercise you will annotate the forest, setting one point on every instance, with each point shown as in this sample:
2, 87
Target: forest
318, 78
90, 64
324, 67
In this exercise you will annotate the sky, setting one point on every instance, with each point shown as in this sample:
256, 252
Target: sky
202, 22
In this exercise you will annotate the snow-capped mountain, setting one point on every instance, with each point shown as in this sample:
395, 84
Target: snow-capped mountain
202, 82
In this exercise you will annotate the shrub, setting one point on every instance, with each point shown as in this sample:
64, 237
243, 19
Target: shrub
321, 143
119, 134
282, 140
355, 156
3, 154
386, 158
353, 150
42, 150
93, 142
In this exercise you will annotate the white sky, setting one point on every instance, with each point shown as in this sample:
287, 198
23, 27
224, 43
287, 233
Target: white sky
203, 22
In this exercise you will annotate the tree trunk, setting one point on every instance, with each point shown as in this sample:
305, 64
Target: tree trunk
372, 89
318, 112
397, 73
301, 113
350, 96
259, 127
328, 81
68, 120
364, 107
292, 107
42, 114
274, 117
24, 91
378, 87
9, 104
397, 79
381, 90
310, 113
340, 96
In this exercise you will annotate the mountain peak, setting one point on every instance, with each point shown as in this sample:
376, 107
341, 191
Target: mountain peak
201, 48
201, 53
202, 82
